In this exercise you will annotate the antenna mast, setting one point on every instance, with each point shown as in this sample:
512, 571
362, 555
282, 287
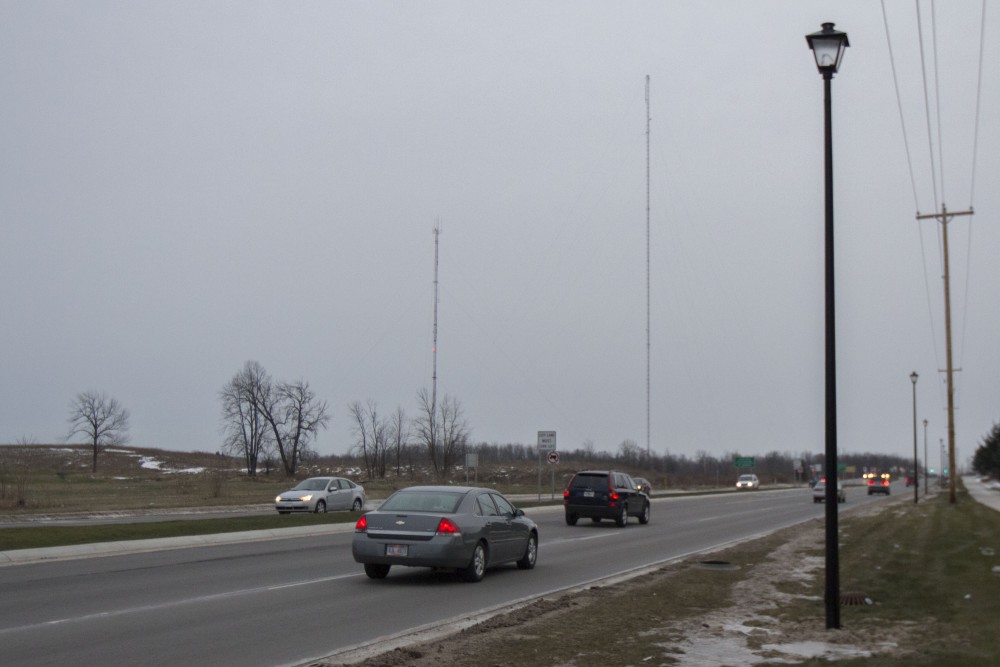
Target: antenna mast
647, 269
434, 376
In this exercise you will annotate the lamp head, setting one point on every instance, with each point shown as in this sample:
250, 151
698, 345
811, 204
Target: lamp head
828, 47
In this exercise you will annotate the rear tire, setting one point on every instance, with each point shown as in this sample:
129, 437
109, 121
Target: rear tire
530, 553
595, 519
622, 519
376, 570
356, 507
571, 519
476, 568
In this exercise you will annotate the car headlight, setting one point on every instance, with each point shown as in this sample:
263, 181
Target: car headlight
306, 498
277, 499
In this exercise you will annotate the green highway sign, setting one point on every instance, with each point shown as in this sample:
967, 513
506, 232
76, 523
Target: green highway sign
745, 462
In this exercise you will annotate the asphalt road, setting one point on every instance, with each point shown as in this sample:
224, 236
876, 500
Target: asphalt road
287, 601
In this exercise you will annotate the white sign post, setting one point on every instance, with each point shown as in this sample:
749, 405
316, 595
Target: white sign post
547, 444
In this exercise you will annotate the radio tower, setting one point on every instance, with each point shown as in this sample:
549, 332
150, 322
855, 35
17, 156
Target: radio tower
647, 269
434, 373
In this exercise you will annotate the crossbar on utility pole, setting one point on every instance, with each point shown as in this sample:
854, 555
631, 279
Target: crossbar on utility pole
944, 217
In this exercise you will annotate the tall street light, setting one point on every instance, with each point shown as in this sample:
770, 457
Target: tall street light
916, 471
828, 48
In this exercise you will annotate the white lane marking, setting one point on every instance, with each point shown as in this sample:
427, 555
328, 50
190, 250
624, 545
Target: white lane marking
175, 603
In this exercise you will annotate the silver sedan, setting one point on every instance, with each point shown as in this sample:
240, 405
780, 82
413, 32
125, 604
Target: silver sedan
467, 529
319, 494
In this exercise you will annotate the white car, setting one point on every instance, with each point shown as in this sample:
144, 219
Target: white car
748, 482
320, 494
819, 492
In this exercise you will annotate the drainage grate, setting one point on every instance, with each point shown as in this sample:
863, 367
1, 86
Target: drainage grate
855, 599
718, 565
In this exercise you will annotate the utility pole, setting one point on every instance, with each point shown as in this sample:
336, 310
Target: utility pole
944, 217
925, 459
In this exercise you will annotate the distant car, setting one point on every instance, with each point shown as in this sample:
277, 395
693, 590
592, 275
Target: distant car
819, 492
643, 485
748, 482
468, 529
604, 494
878, 483
321, 494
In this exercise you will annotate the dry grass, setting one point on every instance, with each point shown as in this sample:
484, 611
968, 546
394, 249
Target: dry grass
58, 479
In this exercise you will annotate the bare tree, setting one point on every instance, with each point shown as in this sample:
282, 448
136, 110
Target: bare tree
246, 433
371, 432
442, 430
454, 431
629, 451
294, 415
425, 427
102, 419
400, 434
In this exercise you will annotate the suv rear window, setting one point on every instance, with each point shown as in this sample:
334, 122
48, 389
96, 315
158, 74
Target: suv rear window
594, 482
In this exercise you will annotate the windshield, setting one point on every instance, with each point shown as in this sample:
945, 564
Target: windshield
311, 484
745, 478
422, 501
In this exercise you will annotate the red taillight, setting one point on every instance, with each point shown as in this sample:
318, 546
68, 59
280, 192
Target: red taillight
566, 493
612, 496
447, 527
362, 525
871, 482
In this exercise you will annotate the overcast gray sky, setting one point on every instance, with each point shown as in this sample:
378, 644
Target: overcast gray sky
185, 186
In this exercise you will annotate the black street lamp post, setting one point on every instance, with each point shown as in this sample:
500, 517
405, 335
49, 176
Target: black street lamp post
828, 47
916, 471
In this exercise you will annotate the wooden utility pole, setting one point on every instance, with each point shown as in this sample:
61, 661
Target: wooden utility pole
944, 217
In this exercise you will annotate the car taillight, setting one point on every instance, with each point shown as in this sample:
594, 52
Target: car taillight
871, 482
447, 527
362, 525
566, 493
612, 496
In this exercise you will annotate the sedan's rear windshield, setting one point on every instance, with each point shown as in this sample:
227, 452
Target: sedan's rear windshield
594, 482
422, 501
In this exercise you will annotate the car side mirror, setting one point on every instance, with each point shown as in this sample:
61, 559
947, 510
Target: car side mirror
518, 512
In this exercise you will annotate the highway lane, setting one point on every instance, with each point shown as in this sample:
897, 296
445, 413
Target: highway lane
288, 601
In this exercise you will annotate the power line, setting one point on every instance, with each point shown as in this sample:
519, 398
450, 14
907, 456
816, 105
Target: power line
899, 105
979, 95
927, 106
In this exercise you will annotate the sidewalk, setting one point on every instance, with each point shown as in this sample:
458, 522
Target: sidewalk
986, 492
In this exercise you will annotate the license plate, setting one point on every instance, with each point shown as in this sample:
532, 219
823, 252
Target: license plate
588, 494
395, 550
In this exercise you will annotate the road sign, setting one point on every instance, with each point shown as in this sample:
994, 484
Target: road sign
745, 462
553, 457
546, 441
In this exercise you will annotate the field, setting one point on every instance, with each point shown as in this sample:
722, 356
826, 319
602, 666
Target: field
53, 479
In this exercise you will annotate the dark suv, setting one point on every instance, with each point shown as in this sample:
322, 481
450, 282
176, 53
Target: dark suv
604, 494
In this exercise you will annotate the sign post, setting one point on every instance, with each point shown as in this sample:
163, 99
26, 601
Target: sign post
547, 445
